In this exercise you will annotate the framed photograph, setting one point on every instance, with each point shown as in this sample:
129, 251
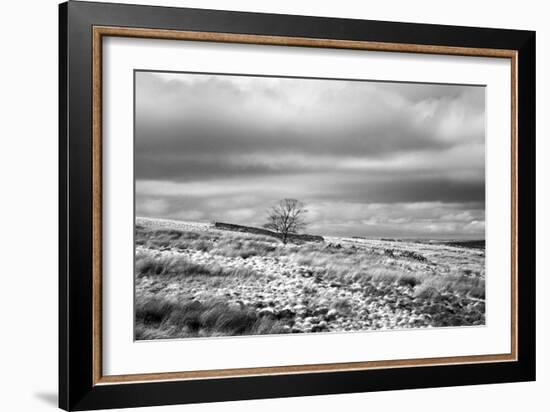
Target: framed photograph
256, 205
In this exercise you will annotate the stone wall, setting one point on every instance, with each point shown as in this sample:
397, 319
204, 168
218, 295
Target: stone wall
292, 237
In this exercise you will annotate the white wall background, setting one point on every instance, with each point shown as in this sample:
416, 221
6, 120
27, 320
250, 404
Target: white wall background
28, 203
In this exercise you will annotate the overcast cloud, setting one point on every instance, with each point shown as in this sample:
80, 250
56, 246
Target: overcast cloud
367, 158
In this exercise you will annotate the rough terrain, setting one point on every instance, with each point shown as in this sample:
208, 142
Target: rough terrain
342, 284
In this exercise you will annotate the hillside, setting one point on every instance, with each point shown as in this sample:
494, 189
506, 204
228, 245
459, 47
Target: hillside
193, 279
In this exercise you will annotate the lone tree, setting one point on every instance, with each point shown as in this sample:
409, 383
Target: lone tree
286, 217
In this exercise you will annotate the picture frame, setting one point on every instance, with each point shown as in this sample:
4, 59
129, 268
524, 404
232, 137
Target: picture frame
83, 27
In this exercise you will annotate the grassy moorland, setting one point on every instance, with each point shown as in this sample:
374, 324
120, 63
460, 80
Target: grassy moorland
193, 280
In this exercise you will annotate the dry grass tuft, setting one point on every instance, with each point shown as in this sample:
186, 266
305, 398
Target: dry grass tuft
174, 266
159, 318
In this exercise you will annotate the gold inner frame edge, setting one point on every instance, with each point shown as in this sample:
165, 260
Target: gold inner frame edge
101, 31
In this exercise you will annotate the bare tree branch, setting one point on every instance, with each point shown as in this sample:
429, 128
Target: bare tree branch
286, 217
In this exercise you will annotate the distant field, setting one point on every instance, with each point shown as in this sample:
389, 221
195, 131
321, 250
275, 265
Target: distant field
195, 280
474, 244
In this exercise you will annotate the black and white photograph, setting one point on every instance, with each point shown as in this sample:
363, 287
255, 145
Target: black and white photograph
311, 206
270, 205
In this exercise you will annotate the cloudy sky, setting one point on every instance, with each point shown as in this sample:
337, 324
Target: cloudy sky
367, 158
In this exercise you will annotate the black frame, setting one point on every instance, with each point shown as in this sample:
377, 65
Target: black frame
76, 388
